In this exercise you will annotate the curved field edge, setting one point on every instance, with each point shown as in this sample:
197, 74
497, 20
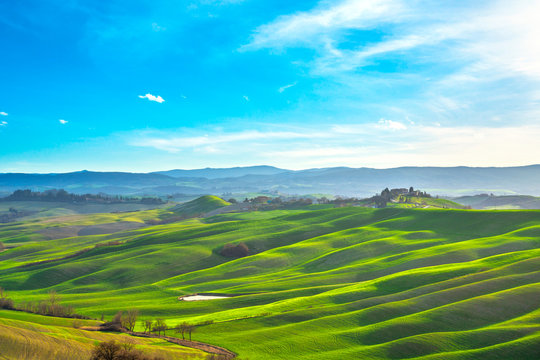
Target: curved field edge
329, 284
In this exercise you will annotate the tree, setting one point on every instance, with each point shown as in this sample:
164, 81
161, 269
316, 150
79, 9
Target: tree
117, 319
159, 326
148, 325
130, 319
181, 329
190, 329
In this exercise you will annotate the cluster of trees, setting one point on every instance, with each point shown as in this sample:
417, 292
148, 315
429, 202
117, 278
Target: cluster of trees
185, 328
64, 196
128, 320
235, 250
397, 195
270, 203
125, 319
112, 350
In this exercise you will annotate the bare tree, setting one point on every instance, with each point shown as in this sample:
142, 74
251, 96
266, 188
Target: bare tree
130, 319
181, 329
190, 329
159, 326
148, 325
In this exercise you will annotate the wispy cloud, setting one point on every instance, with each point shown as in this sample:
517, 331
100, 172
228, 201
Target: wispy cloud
3, 113
169, 143
285, 87
63, 122
151, 97
246, 97
3, 123
463, 66
384, 143
311, 27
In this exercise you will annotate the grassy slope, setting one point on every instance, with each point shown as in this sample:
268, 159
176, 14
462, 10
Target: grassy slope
28, 336
322, 284
201, 205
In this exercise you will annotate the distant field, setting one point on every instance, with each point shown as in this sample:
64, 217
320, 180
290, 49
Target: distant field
44, 208
338, 283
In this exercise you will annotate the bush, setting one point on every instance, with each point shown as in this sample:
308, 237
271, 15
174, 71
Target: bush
111, 350
235, 250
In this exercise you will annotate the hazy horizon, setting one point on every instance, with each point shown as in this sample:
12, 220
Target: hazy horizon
265, 165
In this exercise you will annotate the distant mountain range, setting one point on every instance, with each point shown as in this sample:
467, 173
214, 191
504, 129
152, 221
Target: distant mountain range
213, 173
360, 182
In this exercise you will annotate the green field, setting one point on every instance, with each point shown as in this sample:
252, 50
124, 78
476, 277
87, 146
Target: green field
338, 283
29, 336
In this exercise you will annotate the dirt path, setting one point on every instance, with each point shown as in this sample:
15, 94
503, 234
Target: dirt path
222, 352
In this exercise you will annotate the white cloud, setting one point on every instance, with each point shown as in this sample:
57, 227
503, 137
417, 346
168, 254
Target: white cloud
3, 113
391, 125
151, 97
3, 123
310, 26
285, 87
62, 121
246, 97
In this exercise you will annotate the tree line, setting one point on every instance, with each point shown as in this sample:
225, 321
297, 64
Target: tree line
51, 306
62, 195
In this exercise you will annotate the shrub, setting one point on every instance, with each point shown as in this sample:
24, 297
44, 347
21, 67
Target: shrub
235, 250
111, 350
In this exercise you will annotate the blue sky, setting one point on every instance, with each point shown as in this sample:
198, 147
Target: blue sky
153, 85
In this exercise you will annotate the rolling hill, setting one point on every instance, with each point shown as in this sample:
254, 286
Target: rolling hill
200, 206
319, 283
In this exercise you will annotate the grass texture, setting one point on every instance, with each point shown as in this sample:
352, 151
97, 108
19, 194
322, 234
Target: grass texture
343, 283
